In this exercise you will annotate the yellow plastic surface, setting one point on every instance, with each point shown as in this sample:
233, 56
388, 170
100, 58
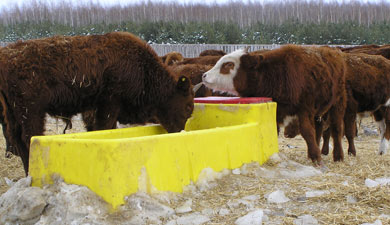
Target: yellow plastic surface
117, 163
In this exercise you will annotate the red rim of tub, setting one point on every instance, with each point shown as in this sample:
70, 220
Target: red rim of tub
232, 100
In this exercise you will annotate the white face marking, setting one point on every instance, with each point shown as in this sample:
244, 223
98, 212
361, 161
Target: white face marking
288, 119
387, 102
224, 82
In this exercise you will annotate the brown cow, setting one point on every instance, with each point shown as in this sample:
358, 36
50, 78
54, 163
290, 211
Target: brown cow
370, 49
111, 73
203, 60
172, 58
368, 90
212, 52
306, 82
192, 71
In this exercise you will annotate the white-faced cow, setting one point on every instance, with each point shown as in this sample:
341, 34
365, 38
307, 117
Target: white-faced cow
306, 82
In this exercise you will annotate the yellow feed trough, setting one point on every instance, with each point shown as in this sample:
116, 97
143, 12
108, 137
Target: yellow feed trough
116, 163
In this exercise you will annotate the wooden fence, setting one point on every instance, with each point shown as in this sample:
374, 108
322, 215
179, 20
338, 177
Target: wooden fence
193, 50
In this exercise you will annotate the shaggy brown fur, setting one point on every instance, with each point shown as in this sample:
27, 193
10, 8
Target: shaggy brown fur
113, 73
203, 60
304, 81
172, 58
212, 52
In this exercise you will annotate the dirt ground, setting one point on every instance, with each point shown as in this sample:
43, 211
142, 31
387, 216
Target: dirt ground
344, 180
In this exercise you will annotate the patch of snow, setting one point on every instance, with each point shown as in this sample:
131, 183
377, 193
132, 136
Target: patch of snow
244, 169
351, 199
192, 219
370, 183
251, 197
377, 222
252, 218
312, 194
207, 176
288, 170
235, 193
291, 146
305, 220
185, 208
236, 171
383, 181
8, 182
235, 203
146, 208
275, 159
22, 205
223, 212
277, 197
208, 212
378, 181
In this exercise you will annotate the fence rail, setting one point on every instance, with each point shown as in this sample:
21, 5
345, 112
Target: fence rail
193, 50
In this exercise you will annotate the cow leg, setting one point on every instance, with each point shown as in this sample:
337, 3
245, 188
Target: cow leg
106, 115
350, 131
387, 131
383, 120
32, 124
14, 137
319, 125
8, 147
306, 126
336, 118
89, 119
325, 143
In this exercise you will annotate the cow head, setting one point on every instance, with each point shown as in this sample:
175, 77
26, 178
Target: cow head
174, 113
221, 76
230, 73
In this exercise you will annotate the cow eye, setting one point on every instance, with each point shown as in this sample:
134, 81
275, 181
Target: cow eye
226, 67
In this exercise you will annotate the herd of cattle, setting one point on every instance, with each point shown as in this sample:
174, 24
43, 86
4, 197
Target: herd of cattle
117, 77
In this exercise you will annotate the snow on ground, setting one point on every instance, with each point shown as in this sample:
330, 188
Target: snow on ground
285, 190
63, 203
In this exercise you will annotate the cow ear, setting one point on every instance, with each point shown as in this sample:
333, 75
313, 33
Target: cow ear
183, 84
251, 61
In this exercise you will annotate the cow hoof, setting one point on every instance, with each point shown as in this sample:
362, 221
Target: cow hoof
323, 168
338, 159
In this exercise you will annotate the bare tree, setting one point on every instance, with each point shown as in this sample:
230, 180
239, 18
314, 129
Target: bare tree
243, 14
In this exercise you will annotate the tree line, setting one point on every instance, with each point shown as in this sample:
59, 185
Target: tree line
299, 22
244, 14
